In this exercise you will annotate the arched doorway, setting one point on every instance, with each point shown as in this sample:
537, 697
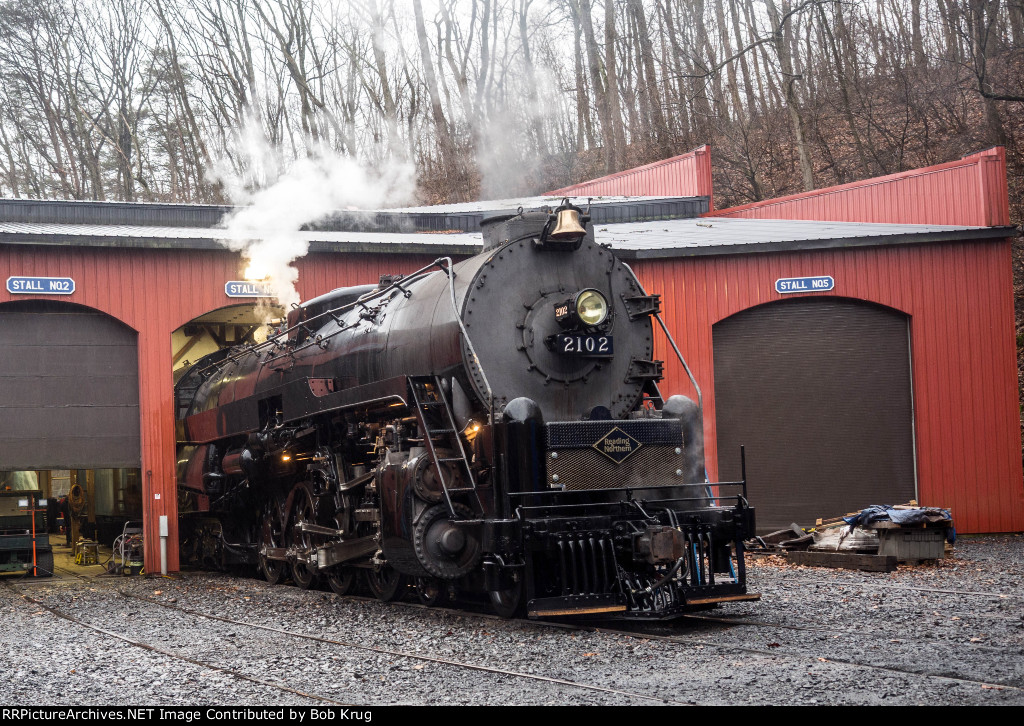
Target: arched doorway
818, 390
220, 328
195, 346
69, 411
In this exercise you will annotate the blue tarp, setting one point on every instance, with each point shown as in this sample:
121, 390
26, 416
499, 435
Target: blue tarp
887, 513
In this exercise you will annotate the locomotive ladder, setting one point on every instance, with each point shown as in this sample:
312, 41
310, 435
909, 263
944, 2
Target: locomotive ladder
437, 422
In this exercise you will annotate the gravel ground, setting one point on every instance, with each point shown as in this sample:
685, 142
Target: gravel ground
950, 633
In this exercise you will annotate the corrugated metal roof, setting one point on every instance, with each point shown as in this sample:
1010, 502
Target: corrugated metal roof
204, 238
529, 203
726, 235
668, 238
467, 217
463, 217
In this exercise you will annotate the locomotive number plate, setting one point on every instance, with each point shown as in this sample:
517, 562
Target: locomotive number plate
595, 346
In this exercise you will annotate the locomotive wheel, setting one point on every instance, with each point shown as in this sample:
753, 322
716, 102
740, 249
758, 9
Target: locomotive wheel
431, 591
443, 548
304, 574
341, 579
508, 603
271, 536
386, 584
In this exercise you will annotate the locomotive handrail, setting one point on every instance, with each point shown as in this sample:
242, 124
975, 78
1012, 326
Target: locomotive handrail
693, 381
465, 333
562, 492
672, 342
526, 509
275, 341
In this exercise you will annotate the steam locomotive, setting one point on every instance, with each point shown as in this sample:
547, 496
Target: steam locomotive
490, 428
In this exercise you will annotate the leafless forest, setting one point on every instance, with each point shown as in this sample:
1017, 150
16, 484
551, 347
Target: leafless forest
142, 100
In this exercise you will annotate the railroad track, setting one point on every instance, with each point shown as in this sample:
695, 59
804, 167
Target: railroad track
391, 652
641, 633
914, 588
646, 631
741, 622
780, 651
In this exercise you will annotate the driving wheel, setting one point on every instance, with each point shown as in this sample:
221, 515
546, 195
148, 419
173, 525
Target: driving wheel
342, 579
385, 584
271, 537
304, 573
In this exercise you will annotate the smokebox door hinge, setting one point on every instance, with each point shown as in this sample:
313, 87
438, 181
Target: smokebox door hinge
644, 370
639, 306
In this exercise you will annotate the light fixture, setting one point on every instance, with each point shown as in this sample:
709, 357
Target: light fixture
587, 308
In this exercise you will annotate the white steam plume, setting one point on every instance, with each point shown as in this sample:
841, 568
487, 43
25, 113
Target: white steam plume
277, 198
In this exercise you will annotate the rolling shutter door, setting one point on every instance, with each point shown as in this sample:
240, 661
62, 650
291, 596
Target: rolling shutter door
69, 388
818, 390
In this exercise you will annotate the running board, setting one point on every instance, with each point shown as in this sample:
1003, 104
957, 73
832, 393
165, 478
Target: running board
723, 598
551, 607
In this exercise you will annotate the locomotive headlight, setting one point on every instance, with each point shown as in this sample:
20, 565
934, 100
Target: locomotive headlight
591, 307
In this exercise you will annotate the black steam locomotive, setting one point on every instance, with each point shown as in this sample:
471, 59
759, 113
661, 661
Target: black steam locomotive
491, 427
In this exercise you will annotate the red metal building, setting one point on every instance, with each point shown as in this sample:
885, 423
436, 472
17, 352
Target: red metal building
950, 287
956, 295
686, 175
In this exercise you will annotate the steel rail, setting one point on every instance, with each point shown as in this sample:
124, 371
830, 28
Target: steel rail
640, 634
404, 654
177, 656
973, 593
817, 629
775, 652
682, 640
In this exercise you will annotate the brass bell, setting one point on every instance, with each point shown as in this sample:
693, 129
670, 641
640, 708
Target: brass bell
568, 226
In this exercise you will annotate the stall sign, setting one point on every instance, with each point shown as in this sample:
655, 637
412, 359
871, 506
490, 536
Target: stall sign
40, 285
247, 288
819, 283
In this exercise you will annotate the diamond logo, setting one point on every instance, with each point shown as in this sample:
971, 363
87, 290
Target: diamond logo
617, 445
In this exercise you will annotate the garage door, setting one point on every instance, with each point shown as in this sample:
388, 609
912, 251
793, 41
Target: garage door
818, 390
69, 388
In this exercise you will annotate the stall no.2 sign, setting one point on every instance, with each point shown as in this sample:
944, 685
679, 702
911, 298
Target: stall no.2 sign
40, 285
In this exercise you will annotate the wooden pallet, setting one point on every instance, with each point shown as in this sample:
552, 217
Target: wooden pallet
843, 561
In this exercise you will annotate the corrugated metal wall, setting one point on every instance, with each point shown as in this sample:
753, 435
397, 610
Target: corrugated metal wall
686, 175
963, 352
155, 292
971, 191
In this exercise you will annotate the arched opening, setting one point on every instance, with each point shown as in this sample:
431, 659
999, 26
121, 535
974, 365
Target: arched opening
218, 329
818, 390
69, 415
195, 345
